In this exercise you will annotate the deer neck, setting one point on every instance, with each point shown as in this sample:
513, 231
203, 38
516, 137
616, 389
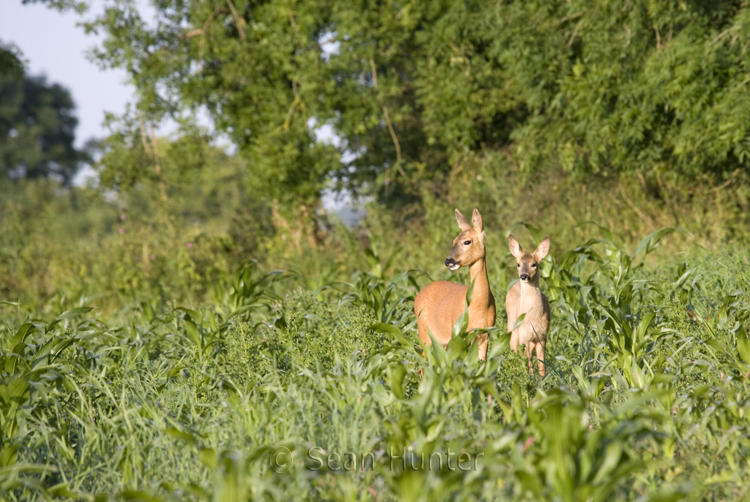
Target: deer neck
530, 294
531, 287
481, 297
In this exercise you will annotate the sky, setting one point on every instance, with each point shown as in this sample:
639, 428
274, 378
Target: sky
52, 44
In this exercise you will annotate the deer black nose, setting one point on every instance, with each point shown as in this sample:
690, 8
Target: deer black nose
524, 277
448, 262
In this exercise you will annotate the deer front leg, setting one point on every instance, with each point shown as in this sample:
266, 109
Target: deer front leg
528, 352
514, 341
484, 341
540, 348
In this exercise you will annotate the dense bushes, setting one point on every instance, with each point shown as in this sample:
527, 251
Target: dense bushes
125, 251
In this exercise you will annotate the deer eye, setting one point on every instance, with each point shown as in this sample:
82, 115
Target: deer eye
466, 243
518, 264
533, 265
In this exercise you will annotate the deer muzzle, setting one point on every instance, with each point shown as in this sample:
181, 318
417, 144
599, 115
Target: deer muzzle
452, 264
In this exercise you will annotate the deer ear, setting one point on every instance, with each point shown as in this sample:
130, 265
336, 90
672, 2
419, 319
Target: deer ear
476, 221
515, 248
462, 223
542, 250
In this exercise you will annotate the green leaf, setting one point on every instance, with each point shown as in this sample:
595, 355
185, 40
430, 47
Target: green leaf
9, 455
209, 458
536, 234
69, 314
20, 336
606, 232
650, 242
743, 344
612, 454
184, 436
722, 477
395, 331
192, 313
459, 327
192, 331
642, 329
439, 355
518, 322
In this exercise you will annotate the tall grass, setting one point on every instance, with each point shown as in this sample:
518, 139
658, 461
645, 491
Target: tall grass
262, 391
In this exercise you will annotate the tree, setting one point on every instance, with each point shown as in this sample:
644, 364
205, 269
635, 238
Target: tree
411, 87
37, 125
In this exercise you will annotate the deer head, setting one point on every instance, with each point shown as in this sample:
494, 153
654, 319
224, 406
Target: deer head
468, 247
528, 263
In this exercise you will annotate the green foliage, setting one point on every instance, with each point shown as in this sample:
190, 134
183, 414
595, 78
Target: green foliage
414, 89
127, 249
299, 332
10, 61
266, 392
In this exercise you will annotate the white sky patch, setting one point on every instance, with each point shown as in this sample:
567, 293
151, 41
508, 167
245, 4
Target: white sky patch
329, 46
349, 209
327, 135
324, 133
53, 45
86, 175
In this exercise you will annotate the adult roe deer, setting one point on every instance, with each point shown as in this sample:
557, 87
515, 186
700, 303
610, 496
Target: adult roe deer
525, 297
439, 305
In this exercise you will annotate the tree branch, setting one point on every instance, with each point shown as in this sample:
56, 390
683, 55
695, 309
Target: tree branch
575, 32
394, 138
157, 164
241, 27
388, 122
204, 31
297, 100
568, 18
721, 35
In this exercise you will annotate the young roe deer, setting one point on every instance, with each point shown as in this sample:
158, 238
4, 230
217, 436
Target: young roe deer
439, 305
525, 297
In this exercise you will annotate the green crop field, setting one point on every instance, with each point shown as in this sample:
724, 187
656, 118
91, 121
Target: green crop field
280, 389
